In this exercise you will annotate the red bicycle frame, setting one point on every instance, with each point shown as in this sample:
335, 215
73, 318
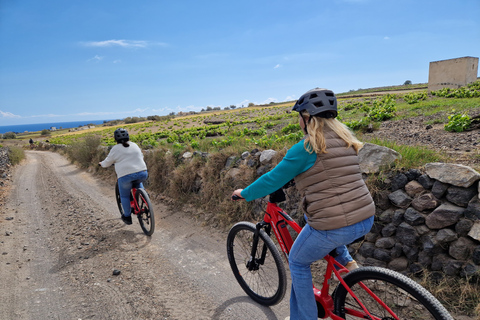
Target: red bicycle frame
278, 220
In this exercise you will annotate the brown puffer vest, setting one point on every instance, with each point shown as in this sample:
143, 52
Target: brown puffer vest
334, 194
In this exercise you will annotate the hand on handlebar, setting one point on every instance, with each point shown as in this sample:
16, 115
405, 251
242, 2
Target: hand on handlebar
237, 195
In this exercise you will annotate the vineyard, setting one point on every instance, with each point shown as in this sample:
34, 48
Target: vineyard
277, 127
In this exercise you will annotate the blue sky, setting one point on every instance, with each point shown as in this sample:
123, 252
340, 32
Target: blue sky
95, 59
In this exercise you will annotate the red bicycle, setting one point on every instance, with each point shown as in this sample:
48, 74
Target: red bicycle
141, 207
366, 293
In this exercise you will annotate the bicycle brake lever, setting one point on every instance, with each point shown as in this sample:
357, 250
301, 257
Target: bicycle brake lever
235, 197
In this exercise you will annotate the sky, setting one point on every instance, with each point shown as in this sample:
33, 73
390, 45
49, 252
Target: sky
99, 60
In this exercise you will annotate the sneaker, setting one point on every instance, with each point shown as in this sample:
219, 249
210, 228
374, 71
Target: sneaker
127, 220
351, 265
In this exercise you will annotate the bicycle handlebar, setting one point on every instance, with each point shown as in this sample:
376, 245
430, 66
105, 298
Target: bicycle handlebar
235, 197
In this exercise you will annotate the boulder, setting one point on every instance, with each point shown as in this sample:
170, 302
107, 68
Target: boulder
374, 158
454, 174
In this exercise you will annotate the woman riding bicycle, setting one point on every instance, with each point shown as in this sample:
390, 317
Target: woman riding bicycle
130, 168
337, 204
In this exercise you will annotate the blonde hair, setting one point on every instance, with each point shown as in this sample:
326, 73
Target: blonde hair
315, 140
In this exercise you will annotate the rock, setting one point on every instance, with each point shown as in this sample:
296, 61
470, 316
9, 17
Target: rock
454, 174
452, 267
474, 232
389, 230
382, 255
439, 189
463, 227
233, 173
400, 199
385, 243
116, 272
446, 235
445, 215
413, 174
230, 161
413, 217
245, 155
476, 255
267, 156
426, 181
425, 202
187, 155
374, 158
473, 209
406, 234
381, 199
461, 249
460, 196
398, 264
399, 182
413, 188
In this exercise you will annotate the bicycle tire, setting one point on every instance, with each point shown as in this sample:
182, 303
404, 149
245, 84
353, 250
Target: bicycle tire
408, 299
119, 201
268, 284
146, 218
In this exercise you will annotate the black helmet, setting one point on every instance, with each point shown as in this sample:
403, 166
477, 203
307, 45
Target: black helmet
318, 102
120, 134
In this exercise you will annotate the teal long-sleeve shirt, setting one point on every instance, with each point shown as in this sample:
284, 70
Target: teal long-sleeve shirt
296, 161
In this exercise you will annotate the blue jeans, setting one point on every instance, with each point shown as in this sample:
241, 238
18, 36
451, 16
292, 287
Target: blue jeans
126, 183
312, 245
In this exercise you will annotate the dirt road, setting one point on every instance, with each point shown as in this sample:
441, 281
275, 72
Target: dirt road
61, 238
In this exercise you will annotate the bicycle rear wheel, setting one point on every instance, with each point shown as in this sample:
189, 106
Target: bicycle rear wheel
265, 282
146, 217
117, 196
406, 298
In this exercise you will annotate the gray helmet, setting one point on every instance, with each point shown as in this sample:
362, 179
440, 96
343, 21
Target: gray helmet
120, 134
318, 102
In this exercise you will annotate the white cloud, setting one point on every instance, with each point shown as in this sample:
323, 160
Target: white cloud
117, 61
277, 66
8, 115
290, 98
122, 43
386, 38
97, 58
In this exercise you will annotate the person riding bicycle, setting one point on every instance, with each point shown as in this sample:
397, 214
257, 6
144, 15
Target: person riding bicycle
337, 204
130, 168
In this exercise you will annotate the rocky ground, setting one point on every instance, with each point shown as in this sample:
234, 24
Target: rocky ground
461, 147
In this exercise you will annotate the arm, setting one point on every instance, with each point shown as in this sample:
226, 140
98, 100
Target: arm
296, 161
109, 160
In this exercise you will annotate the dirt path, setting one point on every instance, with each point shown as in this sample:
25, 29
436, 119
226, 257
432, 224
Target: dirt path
61, 238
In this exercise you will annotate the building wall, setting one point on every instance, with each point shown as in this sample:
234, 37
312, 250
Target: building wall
452, 73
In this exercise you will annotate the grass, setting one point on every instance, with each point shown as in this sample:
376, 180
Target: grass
15, 155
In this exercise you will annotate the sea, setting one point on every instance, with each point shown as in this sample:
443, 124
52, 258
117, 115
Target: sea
20, 128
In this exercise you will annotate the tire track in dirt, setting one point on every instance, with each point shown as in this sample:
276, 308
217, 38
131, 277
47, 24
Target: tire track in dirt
70, 225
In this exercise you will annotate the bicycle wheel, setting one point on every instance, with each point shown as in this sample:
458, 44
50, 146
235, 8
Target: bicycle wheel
146, 217
406, 298
117, 196
265, 282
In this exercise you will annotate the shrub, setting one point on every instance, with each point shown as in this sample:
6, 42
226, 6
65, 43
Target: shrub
45, 132
458, 122
86, 151
15, 155
9, 135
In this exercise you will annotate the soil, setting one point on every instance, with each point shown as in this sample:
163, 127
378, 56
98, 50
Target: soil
62, 240
460, 147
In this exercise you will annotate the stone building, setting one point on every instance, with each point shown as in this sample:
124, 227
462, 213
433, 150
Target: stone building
452, 73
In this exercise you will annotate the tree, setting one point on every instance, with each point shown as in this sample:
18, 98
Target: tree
407, 82
251, 104
232, 106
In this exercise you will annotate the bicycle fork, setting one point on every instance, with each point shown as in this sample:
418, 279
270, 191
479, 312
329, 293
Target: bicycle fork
253, 263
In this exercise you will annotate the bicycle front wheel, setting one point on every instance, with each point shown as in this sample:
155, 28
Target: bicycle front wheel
119, 201
262, 277
403, 296
146, 217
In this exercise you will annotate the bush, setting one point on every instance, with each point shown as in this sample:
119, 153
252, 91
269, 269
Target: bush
86, 151
9, 135
45, 132
15, 155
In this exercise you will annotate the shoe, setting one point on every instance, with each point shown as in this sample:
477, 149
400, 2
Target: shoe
127, 220
351, 265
